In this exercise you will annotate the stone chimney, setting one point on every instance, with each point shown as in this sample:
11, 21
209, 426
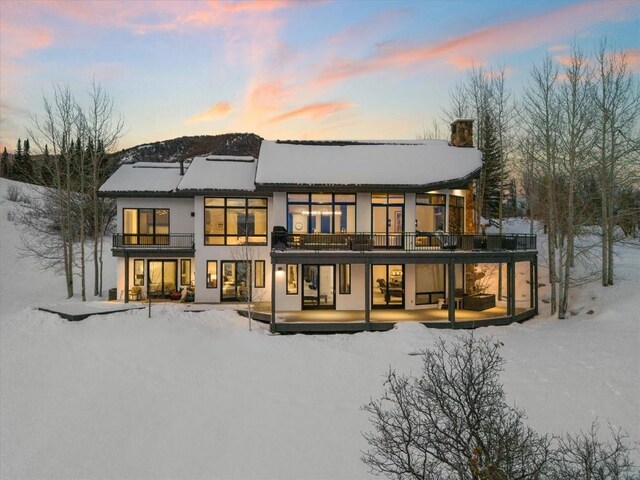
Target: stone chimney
462, 133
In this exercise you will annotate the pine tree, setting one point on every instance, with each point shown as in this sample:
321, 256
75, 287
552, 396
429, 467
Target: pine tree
17, 160
490, 179
4, 163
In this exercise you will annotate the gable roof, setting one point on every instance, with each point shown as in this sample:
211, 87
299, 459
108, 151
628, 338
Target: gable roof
412, 164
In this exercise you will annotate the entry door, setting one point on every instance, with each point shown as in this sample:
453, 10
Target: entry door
318, 290
163, 276
387, 286
235, 281
388, 221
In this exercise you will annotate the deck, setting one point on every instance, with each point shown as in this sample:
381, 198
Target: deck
350, 321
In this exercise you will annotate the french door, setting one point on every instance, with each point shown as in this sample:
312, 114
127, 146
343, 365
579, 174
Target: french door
387, 286
387, 220
236, 278
318, 291
162, 277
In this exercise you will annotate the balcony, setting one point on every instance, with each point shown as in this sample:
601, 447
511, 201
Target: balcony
173, 244
407, 242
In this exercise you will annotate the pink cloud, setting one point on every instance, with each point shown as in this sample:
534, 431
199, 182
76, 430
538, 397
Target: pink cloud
480, 44
313, 111
558, 48
216, 112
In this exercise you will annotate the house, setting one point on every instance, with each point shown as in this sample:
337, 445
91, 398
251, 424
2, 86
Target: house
330, 236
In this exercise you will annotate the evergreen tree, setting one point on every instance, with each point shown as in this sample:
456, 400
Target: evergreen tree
490, 181
17, 160
4, 163
22, 163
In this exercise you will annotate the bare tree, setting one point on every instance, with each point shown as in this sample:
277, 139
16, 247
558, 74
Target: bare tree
575, 150
55, 129
586, 456
248, 294
618, 103
453, 421
104, 129
540, 115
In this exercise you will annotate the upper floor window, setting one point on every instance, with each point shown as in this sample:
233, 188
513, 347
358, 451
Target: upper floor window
321, 212
430, 210
235, 221
145, 226
456, 214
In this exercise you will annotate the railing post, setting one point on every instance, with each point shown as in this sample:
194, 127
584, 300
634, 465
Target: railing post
126, 278
272, 322
451, 297
367, 295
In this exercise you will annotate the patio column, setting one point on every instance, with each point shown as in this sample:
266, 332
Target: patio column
451, 295
126, 278
511, 289
535, 288
272, 322
532, 301
367, 295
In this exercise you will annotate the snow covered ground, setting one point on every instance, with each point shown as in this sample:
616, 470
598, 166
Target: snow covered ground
196, 395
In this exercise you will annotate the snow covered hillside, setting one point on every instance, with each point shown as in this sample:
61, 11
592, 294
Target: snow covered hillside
196, 395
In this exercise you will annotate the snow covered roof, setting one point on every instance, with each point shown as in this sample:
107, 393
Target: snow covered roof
220, 172
366, 163
143, 177
409, 164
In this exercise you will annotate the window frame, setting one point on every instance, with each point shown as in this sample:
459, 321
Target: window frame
182, 262
344, 279
208, 284
154, 236
136, 281
225, 208
292, 267
261, 283
309, 203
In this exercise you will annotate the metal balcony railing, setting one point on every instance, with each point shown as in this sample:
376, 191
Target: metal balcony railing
425, 241
132, 241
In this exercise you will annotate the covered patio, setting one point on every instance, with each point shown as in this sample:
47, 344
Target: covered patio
343, 321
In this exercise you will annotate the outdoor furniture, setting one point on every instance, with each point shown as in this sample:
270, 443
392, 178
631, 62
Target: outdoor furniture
479, 301
135, 293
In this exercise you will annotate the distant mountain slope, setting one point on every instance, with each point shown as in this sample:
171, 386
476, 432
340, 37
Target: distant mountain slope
187, 147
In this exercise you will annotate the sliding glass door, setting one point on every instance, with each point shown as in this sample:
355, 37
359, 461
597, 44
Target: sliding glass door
318, 287
236, 276
387, 286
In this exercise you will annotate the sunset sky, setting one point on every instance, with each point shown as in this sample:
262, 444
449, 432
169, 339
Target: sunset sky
283, 69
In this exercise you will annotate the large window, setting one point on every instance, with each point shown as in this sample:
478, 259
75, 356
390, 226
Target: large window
456, 214
430, 283
235, 221
146, 226
321, 212
430, 210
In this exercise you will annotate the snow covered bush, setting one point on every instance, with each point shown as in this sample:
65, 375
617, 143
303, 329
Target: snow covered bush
452, 421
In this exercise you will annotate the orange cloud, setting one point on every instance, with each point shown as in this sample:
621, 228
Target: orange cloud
314, 111
501, 38
633, 58
217, 111
558, 48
